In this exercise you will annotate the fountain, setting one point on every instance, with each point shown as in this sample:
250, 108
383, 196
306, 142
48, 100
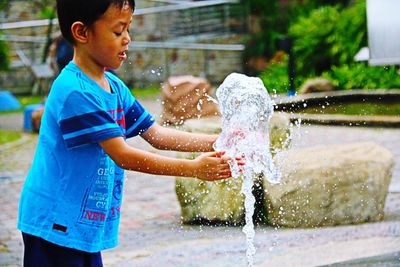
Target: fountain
329, 185
246, 111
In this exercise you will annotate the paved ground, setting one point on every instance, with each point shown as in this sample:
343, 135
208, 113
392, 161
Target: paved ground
152, 235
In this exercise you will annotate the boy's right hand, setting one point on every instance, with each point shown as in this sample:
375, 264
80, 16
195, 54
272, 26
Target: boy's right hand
212, 166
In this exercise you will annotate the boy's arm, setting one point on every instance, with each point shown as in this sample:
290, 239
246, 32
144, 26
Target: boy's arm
170, 139
208, 166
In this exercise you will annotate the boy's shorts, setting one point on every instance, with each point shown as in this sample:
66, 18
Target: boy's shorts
39, 252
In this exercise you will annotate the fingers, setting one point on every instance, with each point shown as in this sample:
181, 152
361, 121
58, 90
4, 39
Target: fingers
217, 165
225, 167
224, 158
222, 175
219, 154
240, 163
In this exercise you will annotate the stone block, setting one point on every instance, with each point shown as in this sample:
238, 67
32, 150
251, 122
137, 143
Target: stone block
185, 97
330, 185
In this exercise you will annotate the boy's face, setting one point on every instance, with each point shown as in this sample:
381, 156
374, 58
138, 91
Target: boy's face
108, 37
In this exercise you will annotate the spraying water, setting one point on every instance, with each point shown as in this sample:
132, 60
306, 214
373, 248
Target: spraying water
246, 109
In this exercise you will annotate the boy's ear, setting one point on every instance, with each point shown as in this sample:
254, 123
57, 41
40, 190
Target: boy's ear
79, 32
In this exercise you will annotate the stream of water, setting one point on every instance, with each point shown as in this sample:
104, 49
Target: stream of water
246, 109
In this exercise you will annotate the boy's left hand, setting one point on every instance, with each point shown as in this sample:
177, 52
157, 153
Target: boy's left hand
212, 166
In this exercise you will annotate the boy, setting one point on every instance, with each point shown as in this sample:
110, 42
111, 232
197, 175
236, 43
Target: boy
70, 204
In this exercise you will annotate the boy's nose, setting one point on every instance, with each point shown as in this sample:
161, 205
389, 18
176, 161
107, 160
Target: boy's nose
127, 39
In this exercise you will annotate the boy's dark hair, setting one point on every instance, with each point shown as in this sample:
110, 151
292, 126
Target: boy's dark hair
85, 11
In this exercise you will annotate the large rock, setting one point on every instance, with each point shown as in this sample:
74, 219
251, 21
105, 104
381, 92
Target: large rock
317, 85
222, 202
186, 97
330, 185
204, 202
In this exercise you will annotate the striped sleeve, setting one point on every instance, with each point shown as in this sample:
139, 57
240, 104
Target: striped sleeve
84, 120
138, 120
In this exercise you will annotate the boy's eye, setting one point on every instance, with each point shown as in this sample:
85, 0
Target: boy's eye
118, 33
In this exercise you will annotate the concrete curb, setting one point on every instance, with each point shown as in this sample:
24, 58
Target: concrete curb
292, 105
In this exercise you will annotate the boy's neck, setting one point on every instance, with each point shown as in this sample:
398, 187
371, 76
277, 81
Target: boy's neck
96, 73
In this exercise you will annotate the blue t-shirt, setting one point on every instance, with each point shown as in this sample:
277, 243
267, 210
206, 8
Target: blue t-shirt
72, 193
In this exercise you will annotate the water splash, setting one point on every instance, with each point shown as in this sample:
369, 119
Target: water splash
210, 98
246, 109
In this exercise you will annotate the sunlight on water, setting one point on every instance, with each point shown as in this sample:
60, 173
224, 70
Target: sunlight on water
246, 109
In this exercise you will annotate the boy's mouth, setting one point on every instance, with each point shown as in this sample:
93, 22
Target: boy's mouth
122, 55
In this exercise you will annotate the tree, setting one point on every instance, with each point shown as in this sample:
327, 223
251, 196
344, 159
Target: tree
274, 18
47, 10
329, 36
4, 58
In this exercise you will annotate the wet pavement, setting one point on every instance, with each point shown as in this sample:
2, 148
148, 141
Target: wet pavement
151, 233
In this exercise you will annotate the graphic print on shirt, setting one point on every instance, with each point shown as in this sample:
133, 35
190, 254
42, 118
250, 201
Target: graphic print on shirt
97, 200
116, 200
119, 117
102, 201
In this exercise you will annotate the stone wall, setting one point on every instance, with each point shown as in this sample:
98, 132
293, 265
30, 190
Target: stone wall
148, 67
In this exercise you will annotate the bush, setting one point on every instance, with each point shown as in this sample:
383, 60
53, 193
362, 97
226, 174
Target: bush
275, 17
261, 43
329, 36
4, 60
350, 33
362, 76
312, 40
275, 76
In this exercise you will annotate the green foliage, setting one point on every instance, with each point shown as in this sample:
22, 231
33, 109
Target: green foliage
48, 12
4, 59
46, 8
261, 7
296, 9
4, 4
329, 36
275, 77
312, 40
362, 76
262, 43
274, 18
326, 42
350, 33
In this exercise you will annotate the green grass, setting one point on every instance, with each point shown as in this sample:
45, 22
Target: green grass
145, 92
356, 108
7, 136
28, 100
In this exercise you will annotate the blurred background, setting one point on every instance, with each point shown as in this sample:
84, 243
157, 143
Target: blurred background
274, 40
